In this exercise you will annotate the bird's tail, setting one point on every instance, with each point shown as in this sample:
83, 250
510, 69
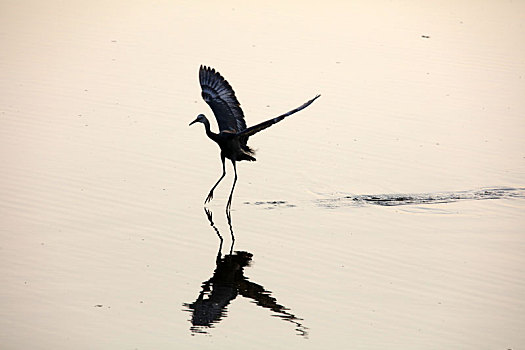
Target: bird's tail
247, 154
248, 149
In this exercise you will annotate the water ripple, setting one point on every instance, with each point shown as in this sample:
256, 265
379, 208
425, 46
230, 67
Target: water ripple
421, 198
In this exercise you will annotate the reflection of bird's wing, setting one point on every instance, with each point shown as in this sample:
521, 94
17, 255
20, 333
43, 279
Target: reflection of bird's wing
263, 298
260, 296
218, 93
261, 126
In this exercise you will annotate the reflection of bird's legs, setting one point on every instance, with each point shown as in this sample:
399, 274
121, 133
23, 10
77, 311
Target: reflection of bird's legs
210, 195
210, 219
229, 218
229, 205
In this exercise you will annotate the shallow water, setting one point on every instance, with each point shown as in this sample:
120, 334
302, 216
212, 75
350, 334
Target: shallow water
388, 214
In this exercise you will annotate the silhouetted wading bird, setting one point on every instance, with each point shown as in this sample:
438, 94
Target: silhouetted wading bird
233, 134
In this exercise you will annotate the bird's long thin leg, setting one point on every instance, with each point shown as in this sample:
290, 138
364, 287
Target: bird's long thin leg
210, 195
229, 205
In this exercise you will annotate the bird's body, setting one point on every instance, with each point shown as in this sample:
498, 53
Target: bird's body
233, 134
230, 144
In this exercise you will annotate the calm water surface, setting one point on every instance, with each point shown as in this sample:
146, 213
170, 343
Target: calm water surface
387, 215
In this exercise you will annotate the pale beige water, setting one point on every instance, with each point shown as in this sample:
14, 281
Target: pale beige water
103, 234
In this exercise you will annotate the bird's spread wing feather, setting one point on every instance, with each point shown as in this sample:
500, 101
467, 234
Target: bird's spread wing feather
261, 126
218, 93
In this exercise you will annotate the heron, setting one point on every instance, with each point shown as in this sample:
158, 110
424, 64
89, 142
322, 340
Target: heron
233, 134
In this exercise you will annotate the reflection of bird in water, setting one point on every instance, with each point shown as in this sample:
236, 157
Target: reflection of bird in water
228, 281
233, 134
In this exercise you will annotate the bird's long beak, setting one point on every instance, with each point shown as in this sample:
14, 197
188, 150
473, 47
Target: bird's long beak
193, 122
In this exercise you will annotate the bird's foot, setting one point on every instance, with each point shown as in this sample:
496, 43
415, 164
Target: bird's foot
209, 198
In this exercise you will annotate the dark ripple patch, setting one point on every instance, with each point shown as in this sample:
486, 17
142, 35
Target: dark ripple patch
272, 204
389, 200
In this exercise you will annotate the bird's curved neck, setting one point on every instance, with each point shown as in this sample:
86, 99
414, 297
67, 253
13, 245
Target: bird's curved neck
210, 133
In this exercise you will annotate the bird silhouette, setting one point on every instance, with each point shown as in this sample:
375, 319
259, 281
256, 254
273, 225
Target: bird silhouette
233, 134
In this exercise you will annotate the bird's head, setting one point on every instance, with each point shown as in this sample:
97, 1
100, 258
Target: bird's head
200, 119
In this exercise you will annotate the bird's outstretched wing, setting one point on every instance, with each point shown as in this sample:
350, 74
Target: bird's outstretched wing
218, 93
261, 126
